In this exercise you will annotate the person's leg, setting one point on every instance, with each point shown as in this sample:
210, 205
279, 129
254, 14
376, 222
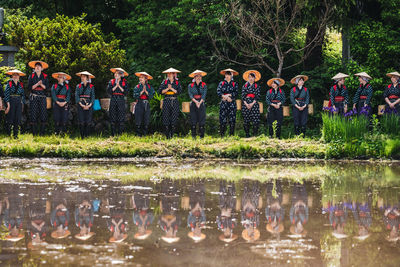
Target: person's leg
165, 117
202, 119
43, 115
232, 118
34, 113
146, 118
222, 118
193, 119
174, 116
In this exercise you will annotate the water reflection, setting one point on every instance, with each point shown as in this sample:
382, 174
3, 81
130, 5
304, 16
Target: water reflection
193, 221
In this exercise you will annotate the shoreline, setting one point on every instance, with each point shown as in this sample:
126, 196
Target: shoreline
157, 147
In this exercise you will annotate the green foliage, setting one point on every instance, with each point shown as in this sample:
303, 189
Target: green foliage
347, 129
66, 44
390, 124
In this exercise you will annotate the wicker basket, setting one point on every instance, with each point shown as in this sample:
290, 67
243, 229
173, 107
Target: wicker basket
48, 102
105, 103
132, 107
310, 109
161, 103
238, 104
186, 107
326, 103
381, 109
286, 111
261, 105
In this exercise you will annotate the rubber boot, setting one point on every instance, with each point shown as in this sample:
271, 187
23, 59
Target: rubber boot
120, 128
271, 131
278, 131
166, 131
232, 129
247, 130
172, 131
145, 130
138, 130
255, 129
82, 130
8, 129
33, 129
194, 131
15, 131
222, 129
112, 126
303, 130
201, 131
42, 129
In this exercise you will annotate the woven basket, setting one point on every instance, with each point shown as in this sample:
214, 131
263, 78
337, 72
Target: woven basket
261, 105
186, 107
286, 111
310, 109
48, 102
238, 104
105, 103
326, 103
381, 109
132, 107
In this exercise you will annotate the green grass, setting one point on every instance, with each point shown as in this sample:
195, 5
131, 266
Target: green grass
158, 146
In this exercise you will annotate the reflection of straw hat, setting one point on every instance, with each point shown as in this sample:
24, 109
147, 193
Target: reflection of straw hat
33, 63
142, 236
113, 70
84, 237
15, 238
362, 237
91, 76
256, 73
149, 77
197, 238
56, 235
228, 239
339, 236
234, 72
275, 230
113, 240
292, 230
363, 74
55, 75
395, 73
340, 76
281, 81
246, 236
197, 72
11, 72
171, 70
305, 78
170, 239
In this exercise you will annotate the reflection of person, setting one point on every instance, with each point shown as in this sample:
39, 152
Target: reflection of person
197, 217
299, 210
37, 215
59, 217
362, 216
338, 218
84, 215
274, 211
391, 219
14, 215
250, 211
117, 223
225, 221
142, 215
169, 220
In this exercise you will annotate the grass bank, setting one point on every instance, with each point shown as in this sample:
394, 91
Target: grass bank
184, 147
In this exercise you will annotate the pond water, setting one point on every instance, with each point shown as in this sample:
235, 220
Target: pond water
191, 213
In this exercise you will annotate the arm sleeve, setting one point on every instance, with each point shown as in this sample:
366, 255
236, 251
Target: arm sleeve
267, 98
244, 89
109, 89
292, 100
162, 87
356, 97
283, 97
190, 92
179, 89
332, 95
258, 94
136, 92
53, 94
68, 98
369, 96
235, 90
219, 93
126, 88
30, 83
92, 96
346, 96
7, 93
203, 96
386, 93
77, 94
151, 92
307, 96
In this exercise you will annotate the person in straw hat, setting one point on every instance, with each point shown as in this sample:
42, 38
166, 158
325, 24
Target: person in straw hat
275, 99
142, 213
300, 98
338, 94
117, 89
362, 98
197, 217
250, 97
197, 91
143, 92
84, 97
392, 94
38, 86
61, 97
227, 90
14, 99
169, 205
170, 88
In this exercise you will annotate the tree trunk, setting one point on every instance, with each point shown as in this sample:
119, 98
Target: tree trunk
345, 48
315, 57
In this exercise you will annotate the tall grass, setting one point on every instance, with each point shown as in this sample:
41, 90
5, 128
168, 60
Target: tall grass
390, 124
346, 128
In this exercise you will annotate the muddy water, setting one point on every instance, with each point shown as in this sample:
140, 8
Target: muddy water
199, 213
